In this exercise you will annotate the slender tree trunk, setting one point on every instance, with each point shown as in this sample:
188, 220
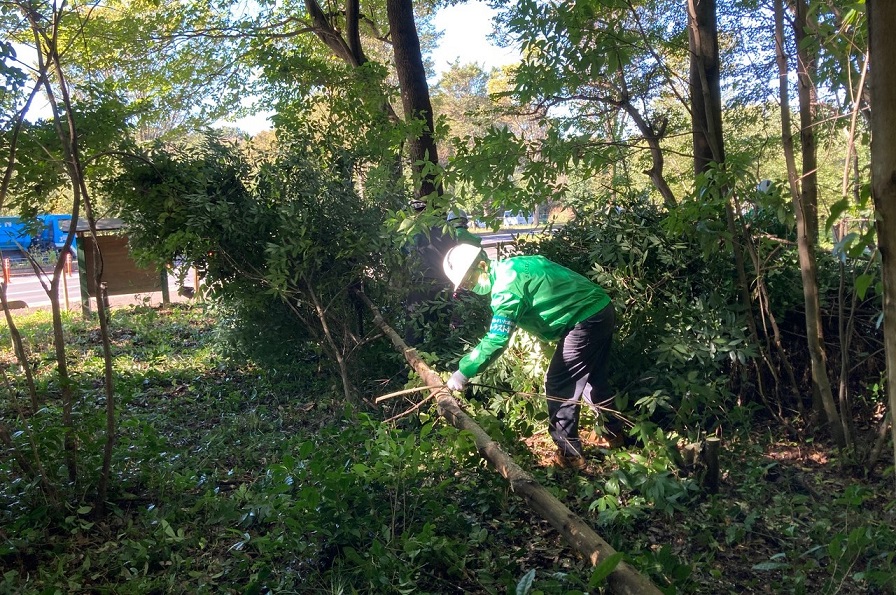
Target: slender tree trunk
349, 50
19, 349
882, 45
414, 95
652, 135
45, 39
103, 315
771, 331
338, 355
784, 94
18, 345
709, 147
808, 100
706, 114
624, 579
814, 331
706, 121
823, 395
76, 170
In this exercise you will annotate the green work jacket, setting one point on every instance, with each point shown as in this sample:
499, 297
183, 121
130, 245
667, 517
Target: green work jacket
537, 295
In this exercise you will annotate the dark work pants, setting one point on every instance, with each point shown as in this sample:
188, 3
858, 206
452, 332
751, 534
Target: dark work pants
578, 371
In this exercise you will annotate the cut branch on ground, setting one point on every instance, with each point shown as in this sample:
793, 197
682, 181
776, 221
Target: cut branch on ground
582, 538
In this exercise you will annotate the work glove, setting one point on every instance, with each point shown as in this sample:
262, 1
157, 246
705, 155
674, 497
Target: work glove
457, 381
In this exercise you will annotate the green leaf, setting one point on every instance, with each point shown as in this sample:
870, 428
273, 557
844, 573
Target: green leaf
407, 224
837, 209
604, 569
770, 565
862, 284
525, 585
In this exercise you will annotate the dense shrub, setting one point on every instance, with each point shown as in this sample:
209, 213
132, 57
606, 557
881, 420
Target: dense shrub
684, 356
278, 247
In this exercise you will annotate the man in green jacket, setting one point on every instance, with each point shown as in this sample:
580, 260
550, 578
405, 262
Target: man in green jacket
554, 304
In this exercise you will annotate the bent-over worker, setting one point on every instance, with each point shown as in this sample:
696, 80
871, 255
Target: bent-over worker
553, 303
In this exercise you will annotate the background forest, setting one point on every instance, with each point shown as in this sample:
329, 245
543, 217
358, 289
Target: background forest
709, 162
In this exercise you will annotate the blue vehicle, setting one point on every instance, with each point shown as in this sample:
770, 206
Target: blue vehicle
17, 236
14, 235
52, 236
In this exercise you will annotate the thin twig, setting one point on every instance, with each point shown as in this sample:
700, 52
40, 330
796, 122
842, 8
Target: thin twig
412, 409
596, 407
402, 392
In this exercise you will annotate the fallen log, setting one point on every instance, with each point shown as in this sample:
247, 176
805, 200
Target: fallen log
624, 579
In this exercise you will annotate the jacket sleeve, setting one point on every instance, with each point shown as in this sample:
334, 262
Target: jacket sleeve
505, 312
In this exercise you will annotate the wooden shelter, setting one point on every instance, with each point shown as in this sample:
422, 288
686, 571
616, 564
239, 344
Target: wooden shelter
120, 273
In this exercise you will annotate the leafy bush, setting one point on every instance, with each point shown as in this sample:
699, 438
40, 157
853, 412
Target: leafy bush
279, 247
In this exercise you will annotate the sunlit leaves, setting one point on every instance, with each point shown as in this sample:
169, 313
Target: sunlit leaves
12, 80
581, 48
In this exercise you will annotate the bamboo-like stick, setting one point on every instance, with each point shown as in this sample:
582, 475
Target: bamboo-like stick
406, 391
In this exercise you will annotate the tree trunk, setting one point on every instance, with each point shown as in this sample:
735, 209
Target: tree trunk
71, 141
652, 136
47, 59
414, 95
706, 117
882, 48
808, 98
814, 331
706, 95
624, 579
109, 388
823, 395
349, 51
709, 145
18, 347
50, 62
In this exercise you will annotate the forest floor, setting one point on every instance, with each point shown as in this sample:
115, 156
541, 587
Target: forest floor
234, 479
789, 517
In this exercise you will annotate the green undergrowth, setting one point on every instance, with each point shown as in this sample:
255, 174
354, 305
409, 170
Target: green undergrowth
229, 478
233, 478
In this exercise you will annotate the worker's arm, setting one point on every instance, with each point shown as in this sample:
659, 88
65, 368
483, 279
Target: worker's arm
505, 312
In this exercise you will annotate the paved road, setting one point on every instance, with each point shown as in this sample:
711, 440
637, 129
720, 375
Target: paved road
25, 291
491, 241
28, 290
504, 235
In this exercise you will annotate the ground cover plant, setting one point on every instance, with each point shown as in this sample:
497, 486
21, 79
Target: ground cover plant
231, 477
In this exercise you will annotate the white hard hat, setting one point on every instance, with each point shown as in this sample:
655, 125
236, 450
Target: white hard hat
458, 261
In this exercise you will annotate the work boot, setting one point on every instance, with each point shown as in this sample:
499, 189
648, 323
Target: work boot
565, 461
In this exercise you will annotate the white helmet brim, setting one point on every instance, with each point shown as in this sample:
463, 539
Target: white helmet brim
458, 261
